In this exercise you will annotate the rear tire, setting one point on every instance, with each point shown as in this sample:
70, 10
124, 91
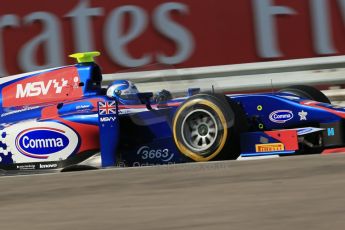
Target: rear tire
76, 168
206, 127
306, 91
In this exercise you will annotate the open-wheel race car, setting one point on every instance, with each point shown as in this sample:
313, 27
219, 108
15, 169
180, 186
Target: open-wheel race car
62, 118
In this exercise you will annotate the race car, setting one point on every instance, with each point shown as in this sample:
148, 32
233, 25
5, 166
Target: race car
62, 118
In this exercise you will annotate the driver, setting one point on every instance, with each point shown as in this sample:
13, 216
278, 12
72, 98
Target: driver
125, 91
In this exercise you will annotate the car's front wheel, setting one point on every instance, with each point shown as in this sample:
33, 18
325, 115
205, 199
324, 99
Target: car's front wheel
205, 127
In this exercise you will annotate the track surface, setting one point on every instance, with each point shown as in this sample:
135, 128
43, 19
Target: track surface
287, 193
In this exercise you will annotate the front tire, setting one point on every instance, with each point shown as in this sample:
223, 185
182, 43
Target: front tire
205, 127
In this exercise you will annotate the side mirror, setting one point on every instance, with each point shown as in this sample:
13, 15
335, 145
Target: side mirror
145, 98
193, 91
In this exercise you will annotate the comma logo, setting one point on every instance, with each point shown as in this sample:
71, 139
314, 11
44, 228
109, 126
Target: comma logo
281, 116
41, 142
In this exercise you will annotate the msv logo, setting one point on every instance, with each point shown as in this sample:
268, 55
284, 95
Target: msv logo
34, 89
281, 116
107, 119
41, 142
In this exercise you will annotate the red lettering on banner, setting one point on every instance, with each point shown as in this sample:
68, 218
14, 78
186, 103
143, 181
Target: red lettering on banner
186, 33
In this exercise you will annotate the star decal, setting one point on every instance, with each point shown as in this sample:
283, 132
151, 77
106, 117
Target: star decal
303, 115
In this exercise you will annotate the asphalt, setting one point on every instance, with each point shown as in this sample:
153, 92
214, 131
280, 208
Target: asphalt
305, 192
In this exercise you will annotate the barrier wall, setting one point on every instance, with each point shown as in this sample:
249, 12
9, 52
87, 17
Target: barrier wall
325, 73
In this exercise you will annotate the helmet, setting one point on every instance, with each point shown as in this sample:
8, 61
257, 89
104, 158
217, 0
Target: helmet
122, 89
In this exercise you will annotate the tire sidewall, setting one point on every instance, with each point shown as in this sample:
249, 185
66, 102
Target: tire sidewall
220, 109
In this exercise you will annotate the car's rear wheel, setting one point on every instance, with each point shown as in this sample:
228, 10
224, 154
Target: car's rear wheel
75, 168
206, 127
306, 91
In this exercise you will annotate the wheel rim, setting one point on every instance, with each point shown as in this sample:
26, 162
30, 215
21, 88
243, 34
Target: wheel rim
199, 130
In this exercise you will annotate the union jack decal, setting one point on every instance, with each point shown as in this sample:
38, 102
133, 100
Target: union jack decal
105, 108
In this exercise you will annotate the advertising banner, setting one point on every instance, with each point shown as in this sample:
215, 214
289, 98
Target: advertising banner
37, 34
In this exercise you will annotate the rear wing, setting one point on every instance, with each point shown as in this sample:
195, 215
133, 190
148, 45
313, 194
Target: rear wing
51, 86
